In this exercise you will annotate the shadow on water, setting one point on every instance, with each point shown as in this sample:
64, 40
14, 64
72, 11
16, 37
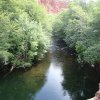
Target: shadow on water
23, 85
57, 77
80, 82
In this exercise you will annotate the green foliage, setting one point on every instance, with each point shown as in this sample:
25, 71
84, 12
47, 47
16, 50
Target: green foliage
24, 32
72, 25
79, 28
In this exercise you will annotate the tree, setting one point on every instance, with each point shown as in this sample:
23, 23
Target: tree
25, 32
79, 28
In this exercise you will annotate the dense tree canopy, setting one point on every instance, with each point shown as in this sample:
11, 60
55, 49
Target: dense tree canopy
24, 32
79, 28
25, 29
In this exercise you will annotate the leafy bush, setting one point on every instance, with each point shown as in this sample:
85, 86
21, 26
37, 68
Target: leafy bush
79, 28
24, 32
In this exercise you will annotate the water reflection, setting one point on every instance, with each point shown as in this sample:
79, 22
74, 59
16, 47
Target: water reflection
23, 85
57, 77
52, 89
80, 82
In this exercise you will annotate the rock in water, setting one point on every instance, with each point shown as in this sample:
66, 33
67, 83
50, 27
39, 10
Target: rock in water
97, 95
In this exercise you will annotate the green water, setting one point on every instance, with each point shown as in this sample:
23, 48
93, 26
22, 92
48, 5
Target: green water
57, 77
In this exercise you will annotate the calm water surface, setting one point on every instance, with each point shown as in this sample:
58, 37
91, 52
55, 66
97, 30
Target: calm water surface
57, 77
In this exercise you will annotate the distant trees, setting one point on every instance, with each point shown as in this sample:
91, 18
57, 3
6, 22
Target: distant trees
79, 28
24, 32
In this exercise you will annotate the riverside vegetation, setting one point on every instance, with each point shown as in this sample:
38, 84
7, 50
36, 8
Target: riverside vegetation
79, 27
24, 32
26, 27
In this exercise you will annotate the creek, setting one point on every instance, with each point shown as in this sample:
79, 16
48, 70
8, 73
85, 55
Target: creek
57, 77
